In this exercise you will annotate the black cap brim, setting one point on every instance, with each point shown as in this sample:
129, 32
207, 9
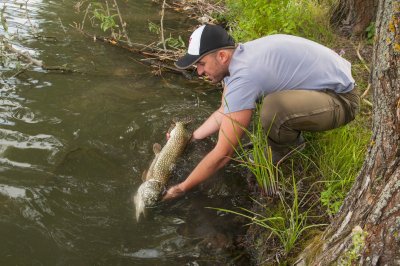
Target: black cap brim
187, 61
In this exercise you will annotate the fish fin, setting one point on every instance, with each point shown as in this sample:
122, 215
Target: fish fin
156, 148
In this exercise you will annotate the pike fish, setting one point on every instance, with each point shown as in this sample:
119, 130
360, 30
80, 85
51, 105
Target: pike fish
156, 177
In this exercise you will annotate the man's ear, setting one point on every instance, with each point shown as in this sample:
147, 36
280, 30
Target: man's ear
223, 56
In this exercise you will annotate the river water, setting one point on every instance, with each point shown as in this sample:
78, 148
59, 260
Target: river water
73, 147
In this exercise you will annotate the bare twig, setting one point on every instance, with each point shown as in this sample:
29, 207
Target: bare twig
32, 61
361, 58
33, 28
366, 91
25, 55
84, 17
155, 62
162, 26
368, 102
21, 70
62, 25
123, 24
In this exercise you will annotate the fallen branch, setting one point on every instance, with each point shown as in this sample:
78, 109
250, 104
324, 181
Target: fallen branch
368, 102
32, 61
162, 26
361, 58
157, 63
21, 71
366, 91
154, 55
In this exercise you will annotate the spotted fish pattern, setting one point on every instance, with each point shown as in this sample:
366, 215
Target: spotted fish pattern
160, 169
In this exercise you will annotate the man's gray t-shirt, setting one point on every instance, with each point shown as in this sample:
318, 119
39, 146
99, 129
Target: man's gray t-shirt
282, 62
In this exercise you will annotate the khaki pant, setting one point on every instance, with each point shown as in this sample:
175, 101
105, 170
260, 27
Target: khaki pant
285, 114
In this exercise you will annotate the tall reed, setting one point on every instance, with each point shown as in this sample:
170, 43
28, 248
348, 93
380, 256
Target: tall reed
257, 157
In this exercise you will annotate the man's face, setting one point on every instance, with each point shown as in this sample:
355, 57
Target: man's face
212, 68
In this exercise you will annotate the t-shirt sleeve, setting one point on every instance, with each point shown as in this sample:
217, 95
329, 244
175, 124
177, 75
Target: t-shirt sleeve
240, 94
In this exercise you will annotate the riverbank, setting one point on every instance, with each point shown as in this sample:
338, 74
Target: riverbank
331, 160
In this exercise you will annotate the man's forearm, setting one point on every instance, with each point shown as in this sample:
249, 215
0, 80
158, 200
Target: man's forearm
205, 169
210, 126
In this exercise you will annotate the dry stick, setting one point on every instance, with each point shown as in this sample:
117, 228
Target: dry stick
22, 70
123, 24
155, 62
369, 71
62, 26
84, 17
368, 102
152, 61
25, 55
366, 91
162, 25
34, 31
361, 58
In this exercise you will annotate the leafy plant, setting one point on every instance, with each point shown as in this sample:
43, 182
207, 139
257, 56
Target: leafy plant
102, 14
370, 31
171, 42
154, 28
175, 43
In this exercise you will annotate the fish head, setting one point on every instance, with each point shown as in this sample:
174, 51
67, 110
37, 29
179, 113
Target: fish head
150, 192
147, 195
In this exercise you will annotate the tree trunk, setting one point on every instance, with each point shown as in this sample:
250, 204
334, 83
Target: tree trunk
373, 204
352, 17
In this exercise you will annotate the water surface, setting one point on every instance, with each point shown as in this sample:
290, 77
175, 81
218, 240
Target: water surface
73, 147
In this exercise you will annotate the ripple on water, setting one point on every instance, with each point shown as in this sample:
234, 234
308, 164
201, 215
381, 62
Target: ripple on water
12, 192
11, 138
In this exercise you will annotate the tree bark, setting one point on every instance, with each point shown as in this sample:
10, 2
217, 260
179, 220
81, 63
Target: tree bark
373, 204
352, 17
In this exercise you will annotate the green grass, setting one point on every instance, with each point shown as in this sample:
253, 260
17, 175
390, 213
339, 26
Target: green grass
258, 159
287, 222
251, 19
339, 155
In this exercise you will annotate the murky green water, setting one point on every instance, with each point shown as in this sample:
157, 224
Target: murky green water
73, 147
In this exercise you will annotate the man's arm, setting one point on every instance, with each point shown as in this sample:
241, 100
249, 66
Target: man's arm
230, 132
210, 126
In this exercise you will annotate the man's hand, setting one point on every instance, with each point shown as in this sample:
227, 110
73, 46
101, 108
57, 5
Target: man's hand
173, 192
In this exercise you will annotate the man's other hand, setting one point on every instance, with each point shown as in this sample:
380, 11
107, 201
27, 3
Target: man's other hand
173, 192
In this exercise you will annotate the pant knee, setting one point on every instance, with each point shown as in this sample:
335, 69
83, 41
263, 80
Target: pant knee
271, 112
